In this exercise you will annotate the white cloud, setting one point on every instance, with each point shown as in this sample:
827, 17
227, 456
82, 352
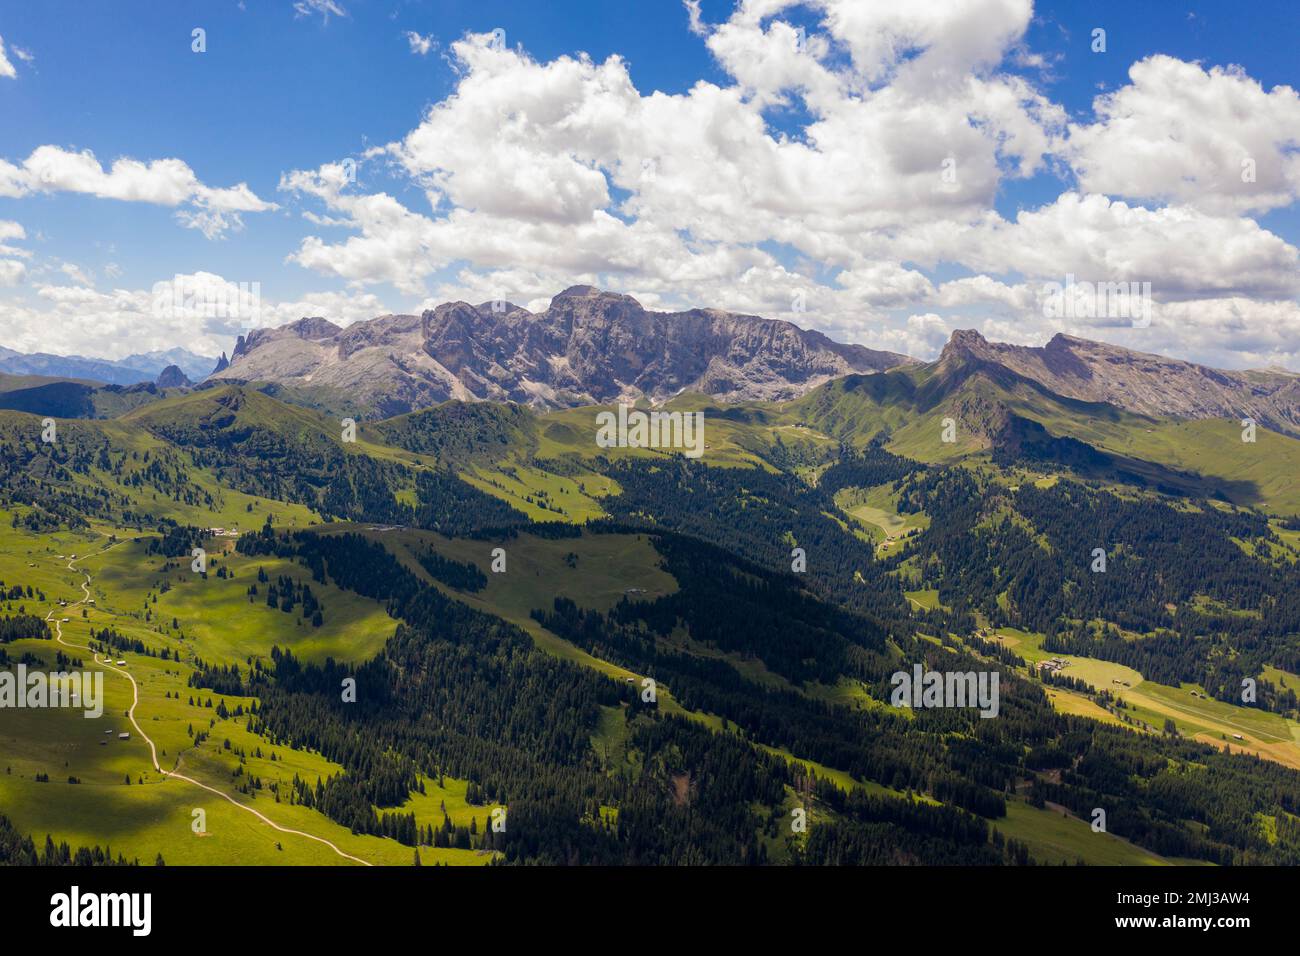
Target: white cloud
325, 8
885, 284
695, 23
76, 274
913, 41
921, 335
420, 45
12, 269
981, 290
1179, 133
542, 174
6, 65
519, 162
163, 182
1232, 332
78, 319
1182, 252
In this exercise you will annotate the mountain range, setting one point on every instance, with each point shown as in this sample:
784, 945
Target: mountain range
591, 347
587, 347
132, 370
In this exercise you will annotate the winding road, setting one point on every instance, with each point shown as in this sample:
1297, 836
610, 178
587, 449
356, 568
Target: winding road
52, 617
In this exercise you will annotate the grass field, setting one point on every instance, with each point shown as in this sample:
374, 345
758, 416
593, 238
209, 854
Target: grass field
541, 495
153, 813
1269, 735
219, 621
927, 599
876, 510
1053, 837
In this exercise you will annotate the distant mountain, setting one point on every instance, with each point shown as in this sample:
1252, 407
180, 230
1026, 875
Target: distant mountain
173, 377
1092, 385
1102, 411
131, 370
75, 366
1135, 381
588, 346
196, 367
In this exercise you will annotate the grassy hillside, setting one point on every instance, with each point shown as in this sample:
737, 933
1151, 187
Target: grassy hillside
153, 813
761, 666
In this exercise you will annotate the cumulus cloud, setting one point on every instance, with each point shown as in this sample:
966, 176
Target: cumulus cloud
1214, 139
11, 230
919, 39
1182, 252
541, 174
201, 311
565, 167
163, 182
920, 335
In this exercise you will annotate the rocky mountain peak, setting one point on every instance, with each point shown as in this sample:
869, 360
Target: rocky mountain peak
173, 377
1139, 382
964, 343
313, 328
585, 292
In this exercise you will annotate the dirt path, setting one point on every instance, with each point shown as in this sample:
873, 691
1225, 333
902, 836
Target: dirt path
153, 750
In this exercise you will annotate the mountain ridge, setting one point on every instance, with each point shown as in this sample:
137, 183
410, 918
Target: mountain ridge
1140, 382
587, 347
590, 347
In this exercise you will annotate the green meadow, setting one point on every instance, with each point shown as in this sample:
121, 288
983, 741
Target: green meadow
1193, 714
154, 813
1056, 838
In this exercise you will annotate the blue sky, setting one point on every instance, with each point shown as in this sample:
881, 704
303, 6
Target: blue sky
747, 131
